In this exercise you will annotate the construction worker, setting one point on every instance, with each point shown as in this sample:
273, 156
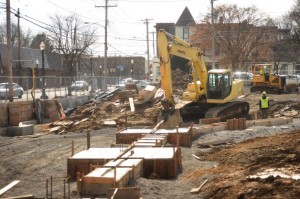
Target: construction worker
261, 71
264, 105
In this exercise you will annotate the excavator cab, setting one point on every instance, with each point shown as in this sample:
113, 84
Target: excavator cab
219, 84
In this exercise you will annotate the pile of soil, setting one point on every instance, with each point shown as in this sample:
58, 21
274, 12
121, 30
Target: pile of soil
237, 173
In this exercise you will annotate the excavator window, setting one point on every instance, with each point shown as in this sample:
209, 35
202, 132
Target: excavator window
219, 85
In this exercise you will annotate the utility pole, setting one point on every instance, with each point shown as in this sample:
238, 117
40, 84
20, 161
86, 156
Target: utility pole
8, 60
213, 42
105, 32
153, 42
19, 43
147, 36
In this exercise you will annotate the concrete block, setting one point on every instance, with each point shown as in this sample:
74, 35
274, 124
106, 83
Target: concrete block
277, 121
221, 127
261, 122
203, 129
250, 123
20, 130
2, 131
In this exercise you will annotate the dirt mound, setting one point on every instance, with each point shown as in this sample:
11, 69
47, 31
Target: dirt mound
239, 173
180, 80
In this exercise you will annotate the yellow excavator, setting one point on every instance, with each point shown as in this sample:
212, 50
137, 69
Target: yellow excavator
211, 94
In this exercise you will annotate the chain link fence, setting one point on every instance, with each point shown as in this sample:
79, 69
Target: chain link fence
60, 86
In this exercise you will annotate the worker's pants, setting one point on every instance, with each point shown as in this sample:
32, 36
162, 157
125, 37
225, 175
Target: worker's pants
264, 113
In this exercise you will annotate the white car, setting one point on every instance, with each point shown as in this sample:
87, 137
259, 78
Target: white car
4, 90
80, 85
141, 84
245, 77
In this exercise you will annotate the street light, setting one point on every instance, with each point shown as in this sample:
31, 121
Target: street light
132, 62
42, 47
37, 73
100, 67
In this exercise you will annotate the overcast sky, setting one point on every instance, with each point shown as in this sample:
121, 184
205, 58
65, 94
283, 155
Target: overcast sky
127, 30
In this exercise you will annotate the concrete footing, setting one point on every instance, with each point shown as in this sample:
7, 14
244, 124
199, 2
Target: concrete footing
20, 130
222, 126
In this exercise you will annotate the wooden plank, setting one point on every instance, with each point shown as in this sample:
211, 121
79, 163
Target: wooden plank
97, 180
197, 190
9, 186
30, 196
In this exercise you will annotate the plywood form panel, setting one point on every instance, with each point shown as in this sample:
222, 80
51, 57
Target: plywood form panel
131, 135
135, 164
80, 162
100, 179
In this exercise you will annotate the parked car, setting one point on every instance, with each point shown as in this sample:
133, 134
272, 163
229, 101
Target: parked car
141, 84
80, 85
246, 77
4, 89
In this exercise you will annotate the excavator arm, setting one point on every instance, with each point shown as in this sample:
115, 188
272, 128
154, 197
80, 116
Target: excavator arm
179, 48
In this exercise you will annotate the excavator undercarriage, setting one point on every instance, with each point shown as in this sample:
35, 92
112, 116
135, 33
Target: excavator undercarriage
196, 110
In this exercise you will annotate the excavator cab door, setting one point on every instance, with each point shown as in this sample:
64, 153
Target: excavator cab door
219, 85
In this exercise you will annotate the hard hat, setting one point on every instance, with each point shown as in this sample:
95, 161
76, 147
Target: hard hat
264, 92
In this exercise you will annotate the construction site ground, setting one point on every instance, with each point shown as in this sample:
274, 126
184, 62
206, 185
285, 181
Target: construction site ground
228, 167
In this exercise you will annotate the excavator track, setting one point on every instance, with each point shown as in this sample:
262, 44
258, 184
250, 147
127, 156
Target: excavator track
228, 110
268, 89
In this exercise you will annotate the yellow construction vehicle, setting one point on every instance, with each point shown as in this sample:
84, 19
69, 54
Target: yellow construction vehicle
211, 94
265, 80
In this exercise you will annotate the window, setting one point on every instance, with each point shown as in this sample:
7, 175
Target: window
185, 33
219, 85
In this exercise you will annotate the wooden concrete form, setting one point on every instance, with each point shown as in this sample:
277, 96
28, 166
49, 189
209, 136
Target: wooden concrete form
81, 161
209, 120
114, 174
151, 141
128, 136
136, 164
236, 124
183, 135
164, 162
99, 180
19, 112
3, 115
124, 193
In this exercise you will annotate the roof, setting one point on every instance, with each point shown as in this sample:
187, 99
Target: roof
186, 18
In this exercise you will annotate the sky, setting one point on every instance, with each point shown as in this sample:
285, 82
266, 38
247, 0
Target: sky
127, 28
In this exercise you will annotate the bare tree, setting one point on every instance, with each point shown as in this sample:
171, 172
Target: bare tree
294, 17
237, 32
25, 36
283, 47
70, 37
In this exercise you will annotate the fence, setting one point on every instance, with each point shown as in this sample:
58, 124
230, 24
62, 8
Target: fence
59, 86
